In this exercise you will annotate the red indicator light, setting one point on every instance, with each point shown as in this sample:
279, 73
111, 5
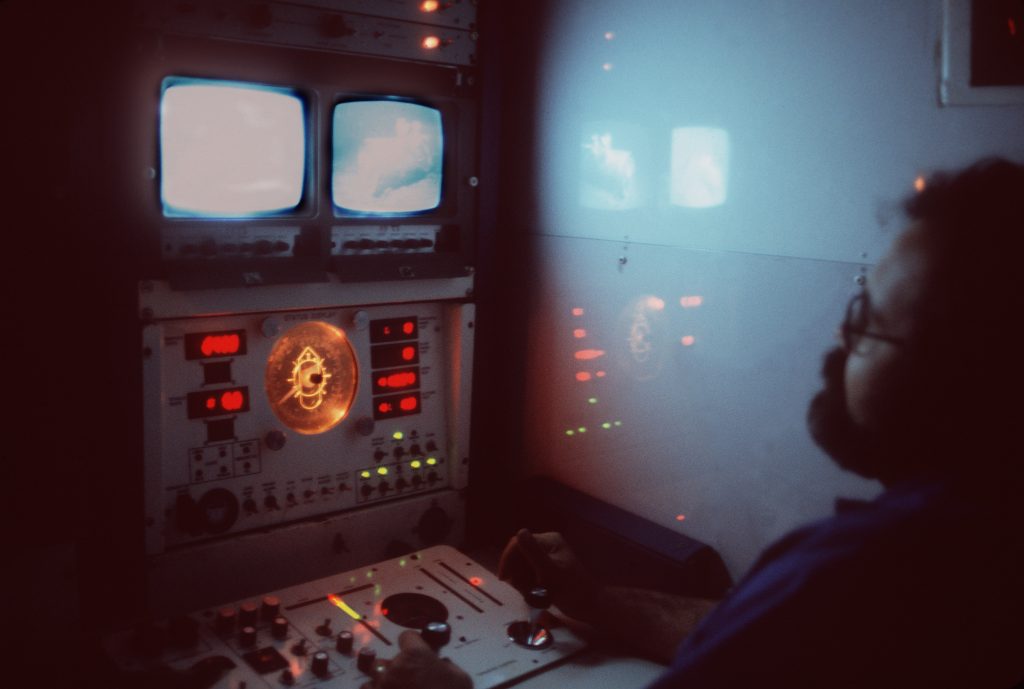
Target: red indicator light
1012, 25
408, 403
476, 581
600, 374
384, 407
577, 311
429, 6
583, 376
408, 353
220, 345
680, 517
690, 302
588, 354
579, 333
233, 400
431, 42
211, 402
408, 327
398, 380
387, 329
688, 340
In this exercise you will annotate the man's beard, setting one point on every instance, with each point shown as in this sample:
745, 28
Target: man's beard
850, 445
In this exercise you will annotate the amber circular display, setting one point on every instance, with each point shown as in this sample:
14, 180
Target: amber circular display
311, 377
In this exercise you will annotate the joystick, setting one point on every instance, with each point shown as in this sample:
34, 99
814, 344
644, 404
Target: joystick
531, 633
436, 634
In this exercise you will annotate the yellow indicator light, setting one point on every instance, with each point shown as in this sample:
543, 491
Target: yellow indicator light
431, 461
401, 563
582, 429
429, 5
369, 575
431, 42
570, 432
383, 471
398, 435
606, 425
338, 602
415, 464
365, 474
592, 400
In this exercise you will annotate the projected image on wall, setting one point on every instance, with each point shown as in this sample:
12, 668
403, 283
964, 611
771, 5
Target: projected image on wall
610, 176
700, 167
388, 157
230, 149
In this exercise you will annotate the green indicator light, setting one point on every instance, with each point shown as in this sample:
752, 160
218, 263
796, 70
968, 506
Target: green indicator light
431, 461
401, 563
376, 591
369, 575
592, 400
582, 429
570, 432
365, 474
606, 425
398, 435
415, 464
383, 471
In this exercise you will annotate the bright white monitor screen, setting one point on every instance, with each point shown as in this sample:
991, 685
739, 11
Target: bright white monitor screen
230, 149
388, 157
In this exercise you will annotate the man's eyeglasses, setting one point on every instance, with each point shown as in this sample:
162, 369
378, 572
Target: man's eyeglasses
854, 327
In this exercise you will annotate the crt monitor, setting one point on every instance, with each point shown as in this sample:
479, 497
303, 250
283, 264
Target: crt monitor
388, 158
230, 149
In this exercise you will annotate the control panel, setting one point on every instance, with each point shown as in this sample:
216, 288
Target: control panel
261, 419
333, 632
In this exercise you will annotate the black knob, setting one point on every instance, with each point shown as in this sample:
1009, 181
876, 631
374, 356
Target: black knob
436, 634
344, 642
279, 628
287, 677
320, 664
247, 614
274, 440
270, 607
366, 660
225, 623
539, 598
325, 628
248, 636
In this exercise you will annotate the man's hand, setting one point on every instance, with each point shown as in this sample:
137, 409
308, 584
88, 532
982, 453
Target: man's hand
418, 667
545, 559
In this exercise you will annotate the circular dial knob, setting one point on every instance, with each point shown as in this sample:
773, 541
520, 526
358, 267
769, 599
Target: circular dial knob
366, 660
436, 634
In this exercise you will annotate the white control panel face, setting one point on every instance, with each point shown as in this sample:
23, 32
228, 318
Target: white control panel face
256, 420
333, 632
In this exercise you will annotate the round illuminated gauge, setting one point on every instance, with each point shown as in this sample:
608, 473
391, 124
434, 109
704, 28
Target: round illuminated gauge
311, 377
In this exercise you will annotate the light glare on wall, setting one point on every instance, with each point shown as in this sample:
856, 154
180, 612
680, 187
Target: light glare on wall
610, 178
700, 167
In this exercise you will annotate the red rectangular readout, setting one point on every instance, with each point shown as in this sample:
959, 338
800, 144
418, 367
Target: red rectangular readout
214, 344
394, 329
217, 402
392, 355
391, 406
395, 380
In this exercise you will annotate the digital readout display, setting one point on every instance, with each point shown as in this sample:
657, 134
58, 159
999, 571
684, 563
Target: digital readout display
217, 402
392, 355
392, 381
394, 329
396, 405
210, 345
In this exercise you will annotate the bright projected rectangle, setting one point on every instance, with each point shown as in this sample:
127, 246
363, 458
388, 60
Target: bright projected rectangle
700, 167
230, 149
388, 157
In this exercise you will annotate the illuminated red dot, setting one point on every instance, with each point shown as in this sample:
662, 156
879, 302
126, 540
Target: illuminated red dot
601, 374
579, 333
688, 340
384, 407
476, 581
232, 400
382, 382
577, 311
220, 344
583, 376
387, 329
588, 354
408, 403
211, 403
408, 327
408, 353
680, 517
